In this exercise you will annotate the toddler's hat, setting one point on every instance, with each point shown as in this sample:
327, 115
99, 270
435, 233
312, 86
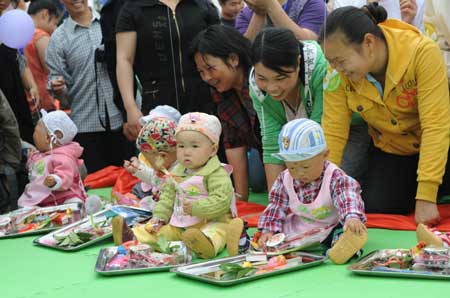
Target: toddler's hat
59, 121
206, 124
157, 134
300, 139
163, 111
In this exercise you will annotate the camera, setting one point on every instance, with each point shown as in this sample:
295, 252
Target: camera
100, 56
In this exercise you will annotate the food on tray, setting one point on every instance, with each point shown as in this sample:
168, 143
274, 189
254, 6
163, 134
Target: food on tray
98, 226
232, 271
138, 256
419, 259
27, 220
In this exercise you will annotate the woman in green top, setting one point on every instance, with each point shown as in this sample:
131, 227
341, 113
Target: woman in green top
287, 83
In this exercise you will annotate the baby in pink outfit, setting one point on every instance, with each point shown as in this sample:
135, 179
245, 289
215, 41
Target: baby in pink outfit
54, 167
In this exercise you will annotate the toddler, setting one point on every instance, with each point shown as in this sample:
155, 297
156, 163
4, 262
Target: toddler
197, 205
54, 167
313, 194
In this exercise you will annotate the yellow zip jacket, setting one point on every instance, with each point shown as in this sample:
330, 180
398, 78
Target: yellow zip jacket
412, 117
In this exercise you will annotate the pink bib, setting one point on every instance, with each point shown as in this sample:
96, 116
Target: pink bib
320, 214
194, 190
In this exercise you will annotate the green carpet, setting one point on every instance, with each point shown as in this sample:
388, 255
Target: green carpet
30, 271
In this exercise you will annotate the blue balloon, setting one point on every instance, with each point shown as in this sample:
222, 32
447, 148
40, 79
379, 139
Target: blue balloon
16, 29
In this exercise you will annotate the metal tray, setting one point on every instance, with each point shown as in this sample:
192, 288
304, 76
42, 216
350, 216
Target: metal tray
131, 215
106, 254
76, 211
361, 268
196, 271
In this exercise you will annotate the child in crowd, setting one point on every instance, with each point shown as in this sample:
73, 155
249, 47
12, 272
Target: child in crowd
197, 204
313, 194
156, 142
54, 166
45, 15
230, 10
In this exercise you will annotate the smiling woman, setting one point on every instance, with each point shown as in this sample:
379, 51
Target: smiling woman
222, 57
287, 83
395, 78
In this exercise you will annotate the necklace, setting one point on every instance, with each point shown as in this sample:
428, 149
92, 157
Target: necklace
294, 109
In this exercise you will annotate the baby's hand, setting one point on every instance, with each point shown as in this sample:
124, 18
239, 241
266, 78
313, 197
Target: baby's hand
187, 208
30, 151
355, 225
49, 181
131, 166
263, 239
153, 225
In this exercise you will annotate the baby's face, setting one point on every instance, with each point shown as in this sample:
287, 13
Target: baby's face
194, 149
158, 160
40, 137
308, 170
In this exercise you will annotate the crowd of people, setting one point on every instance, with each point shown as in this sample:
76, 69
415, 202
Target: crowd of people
345, 105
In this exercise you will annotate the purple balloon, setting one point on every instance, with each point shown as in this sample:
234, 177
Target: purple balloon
16, 29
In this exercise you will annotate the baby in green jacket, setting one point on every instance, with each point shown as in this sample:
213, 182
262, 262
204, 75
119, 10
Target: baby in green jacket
197, 205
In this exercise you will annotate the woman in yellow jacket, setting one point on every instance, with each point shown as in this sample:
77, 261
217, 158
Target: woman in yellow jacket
394, 76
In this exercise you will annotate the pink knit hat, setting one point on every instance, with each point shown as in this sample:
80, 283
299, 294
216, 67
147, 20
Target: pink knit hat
206, 124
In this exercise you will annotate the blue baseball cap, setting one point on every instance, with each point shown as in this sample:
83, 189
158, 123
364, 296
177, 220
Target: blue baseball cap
300, 139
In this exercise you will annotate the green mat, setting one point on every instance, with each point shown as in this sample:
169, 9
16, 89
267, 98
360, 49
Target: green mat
31, 271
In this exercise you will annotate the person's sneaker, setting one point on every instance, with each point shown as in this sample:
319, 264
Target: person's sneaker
430, 236
346, 247
234, 232
198, 243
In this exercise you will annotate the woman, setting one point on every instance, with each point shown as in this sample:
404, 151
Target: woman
287, 83
222, 56
46, 15
152, 39
395, 78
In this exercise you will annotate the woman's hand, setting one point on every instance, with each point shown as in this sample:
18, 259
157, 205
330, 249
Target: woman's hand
427, 213
133, 123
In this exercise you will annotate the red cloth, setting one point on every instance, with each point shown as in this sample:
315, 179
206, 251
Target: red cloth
105, 177
249, 212
407, 222
123, 182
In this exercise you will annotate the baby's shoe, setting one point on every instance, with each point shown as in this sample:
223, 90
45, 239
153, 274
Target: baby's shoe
347, 246
244, 242
198, 243
234, 232
432, 237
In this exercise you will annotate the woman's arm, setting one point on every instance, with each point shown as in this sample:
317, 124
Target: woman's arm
126, 51
279, 18
41, 47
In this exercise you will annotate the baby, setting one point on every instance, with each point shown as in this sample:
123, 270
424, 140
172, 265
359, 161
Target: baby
54, 166
197, 204
313, 195
156, 142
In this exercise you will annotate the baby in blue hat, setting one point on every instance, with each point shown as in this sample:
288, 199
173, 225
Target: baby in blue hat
313, 197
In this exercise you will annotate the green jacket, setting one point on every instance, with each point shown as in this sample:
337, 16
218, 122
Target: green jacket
271, 112
218, 184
